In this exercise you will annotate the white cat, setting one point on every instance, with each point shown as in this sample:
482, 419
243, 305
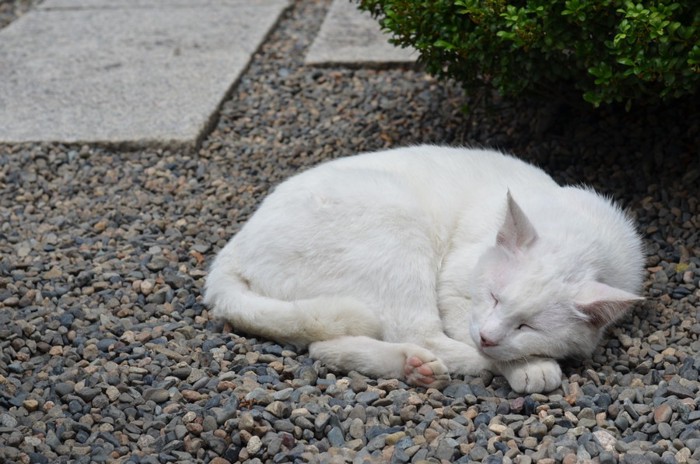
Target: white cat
416, 262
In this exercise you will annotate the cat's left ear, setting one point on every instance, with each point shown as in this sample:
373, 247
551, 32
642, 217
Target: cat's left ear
603, 304
517, 232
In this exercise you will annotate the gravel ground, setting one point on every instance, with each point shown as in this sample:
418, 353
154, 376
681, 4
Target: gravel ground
108, 355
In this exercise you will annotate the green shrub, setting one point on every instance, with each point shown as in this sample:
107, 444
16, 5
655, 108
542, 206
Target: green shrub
603, 50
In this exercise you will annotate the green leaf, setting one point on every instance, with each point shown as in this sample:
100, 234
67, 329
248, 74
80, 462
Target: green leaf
626, 61
444, 44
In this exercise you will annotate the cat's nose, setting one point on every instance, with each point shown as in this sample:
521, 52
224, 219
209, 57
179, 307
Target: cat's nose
486, 342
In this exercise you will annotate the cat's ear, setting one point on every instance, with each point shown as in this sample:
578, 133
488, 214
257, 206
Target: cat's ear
603, 304
517, 232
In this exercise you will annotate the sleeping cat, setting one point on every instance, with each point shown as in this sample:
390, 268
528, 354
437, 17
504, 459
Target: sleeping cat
419, 262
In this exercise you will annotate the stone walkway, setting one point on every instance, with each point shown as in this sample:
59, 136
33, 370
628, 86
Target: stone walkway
149, 72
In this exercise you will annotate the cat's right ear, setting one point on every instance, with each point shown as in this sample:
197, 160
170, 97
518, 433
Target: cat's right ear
603, 304
516, 233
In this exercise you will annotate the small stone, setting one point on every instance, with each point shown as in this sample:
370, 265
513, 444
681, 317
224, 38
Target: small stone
56, 350
606, 439
100, 225
157, 395
223, 414
354, 445
195, 428
538, 430
482, 418
254, 445
478, 453
246, 421
498, 428
530, 442
367, 397
112, 393
629, 407
683, 455
11, 301
634, 458
663, 413
182, 373
87, 394
693, 444
106, 344
389, 385
335, 437
393, 438
145, 442
457, 390
446, 449
219, 460
278, 409
357, 429
516, 405
37, 458
30, 405
209, 424
606, 457
158, 263
665, 430
64, 388
146, 287
54, 273
191, 395
283, 395
259, 396
6, 420
675, 388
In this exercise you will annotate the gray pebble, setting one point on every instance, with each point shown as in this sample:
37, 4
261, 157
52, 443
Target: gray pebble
8, 421
335, 437
665, 430
158, 395
367, 397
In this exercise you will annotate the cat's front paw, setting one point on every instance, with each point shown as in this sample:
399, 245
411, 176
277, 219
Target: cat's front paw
535, 375
425, 371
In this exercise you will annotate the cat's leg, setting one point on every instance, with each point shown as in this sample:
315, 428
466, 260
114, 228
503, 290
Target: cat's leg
408, 361
460, 358
534, 375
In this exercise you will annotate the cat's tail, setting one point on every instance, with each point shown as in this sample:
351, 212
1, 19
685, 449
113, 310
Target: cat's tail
299, 322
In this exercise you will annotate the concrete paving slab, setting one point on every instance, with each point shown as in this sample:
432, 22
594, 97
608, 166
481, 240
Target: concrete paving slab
353, 37
133, 72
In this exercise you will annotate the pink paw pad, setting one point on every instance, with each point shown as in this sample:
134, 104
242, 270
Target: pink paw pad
418, 371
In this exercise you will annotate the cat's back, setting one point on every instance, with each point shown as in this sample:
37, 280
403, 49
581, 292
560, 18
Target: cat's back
429, 170
442, 160
443, 184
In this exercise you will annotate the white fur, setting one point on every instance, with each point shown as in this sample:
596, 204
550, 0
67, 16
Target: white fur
388, 263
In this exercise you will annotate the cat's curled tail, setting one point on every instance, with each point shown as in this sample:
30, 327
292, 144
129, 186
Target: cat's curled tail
299, 322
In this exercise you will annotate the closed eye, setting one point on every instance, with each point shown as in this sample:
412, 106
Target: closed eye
495, 300
525, 327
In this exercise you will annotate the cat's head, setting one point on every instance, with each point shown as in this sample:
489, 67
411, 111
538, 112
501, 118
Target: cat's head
524, 305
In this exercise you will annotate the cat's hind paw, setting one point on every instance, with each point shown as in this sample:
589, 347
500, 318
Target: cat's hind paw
425, 371
533, 375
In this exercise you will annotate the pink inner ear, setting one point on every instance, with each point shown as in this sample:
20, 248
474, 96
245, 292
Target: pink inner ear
517, 232
603, 313
602, 303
